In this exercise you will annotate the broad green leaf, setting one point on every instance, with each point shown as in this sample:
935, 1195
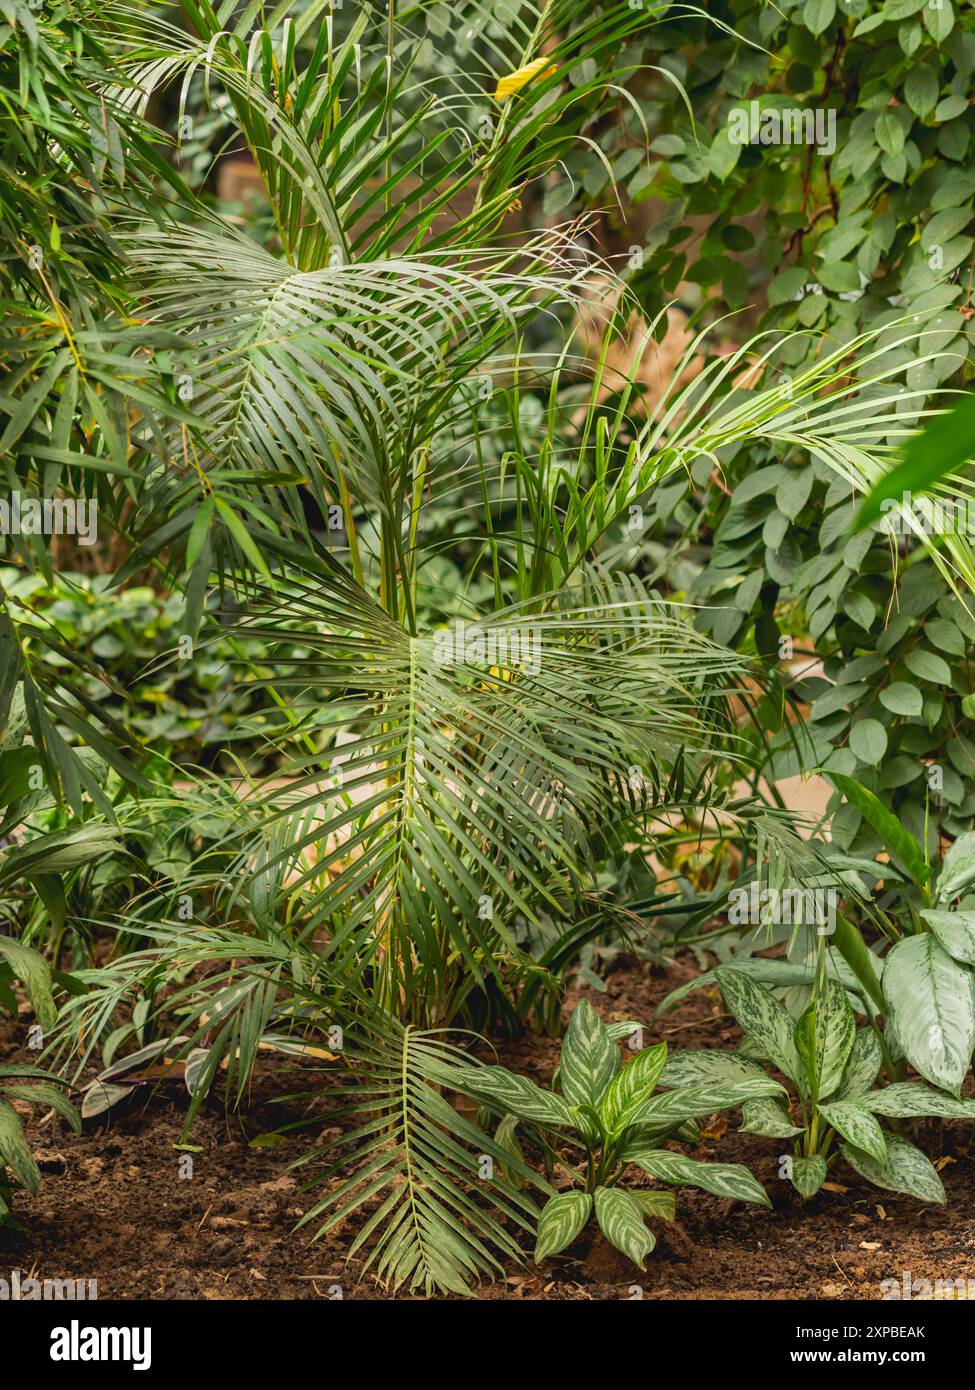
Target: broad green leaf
907, 1099
621, 1222
589, 1059
824, 1037
561, 1220
34, 974
660, 1204
723, 1179
857, 1124
955, 931
808, 1174
868, 739
767, 1117
513, 1094
931, 999
763, 1018
866, 1058
905, 1170
632, 1086
36, 1093
690, 1102
899, 841
14, 1151
958, 869
695, 1064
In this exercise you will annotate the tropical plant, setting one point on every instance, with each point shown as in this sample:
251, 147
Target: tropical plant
601, 1118
832, 1067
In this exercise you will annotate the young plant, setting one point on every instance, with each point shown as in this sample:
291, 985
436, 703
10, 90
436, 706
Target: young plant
832, 1067
601, 1118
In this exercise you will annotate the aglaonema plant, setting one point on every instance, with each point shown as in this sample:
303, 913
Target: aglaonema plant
602, 1120
835, 1105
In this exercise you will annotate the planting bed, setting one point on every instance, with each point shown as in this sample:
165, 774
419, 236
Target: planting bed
114, 1208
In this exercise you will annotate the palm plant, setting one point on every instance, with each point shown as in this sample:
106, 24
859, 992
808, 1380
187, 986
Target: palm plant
377, 354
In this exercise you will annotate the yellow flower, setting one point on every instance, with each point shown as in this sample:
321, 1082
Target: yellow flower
507, 86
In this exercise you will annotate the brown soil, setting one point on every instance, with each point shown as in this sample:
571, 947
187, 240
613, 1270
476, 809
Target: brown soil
114, 1207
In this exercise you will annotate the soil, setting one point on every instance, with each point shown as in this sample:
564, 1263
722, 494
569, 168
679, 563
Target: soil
115, 1208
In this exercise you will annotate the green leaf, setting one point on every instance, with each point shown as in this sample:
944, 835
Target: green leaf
824, 1037
691, 1102
763, 1018
906, 1170
857, 1124
660, 1204
561, 1220
34, 974
723, 1179
621, 1222
513, 1094
866, 1057
906, 1100
590, 1058
817, 15
693, 1064
768, 1117
808, 1174
632, 1086
868, 739
900, 842
35, 1093
958, 868
931, 1002
902, 698
14, 1151
242, 536
928, 666
955, 931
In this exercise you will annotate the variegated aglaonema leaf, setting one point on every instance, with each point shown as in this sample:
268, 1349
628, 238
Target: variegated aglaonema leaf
514, 1095
955, 931
824, 1037
699, 1064
862, 1067
621, 1222
562, 1218
807, 1174
690, 1102
631, 1087
905, 1170
931, 999
14, 1153
590, 1058
857, 1125
723, 1179
908, 1099
767, 1116
764, 1019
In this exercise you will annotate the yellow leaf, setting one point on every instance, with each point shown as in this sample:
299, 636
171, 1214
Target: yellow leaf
507, 86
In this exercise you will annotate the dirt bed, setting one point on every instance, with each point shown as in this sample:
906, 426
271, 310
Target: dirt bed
115, 1208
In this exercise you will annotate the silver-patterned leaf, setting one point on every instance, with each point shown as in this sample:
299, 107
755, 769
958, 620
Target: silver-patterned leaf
14, 1152
907, 1099
824, 1037
906, 1170
958, 869
561, 1220
766, 1116
699, 1064
632, 1086
763, 1018
723, 1179
590, 1058
673, 1107
863, 1066
512, 1094
621, 1222
932, 1008
858, 1126
661, 1204
955, 931
808, 1174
